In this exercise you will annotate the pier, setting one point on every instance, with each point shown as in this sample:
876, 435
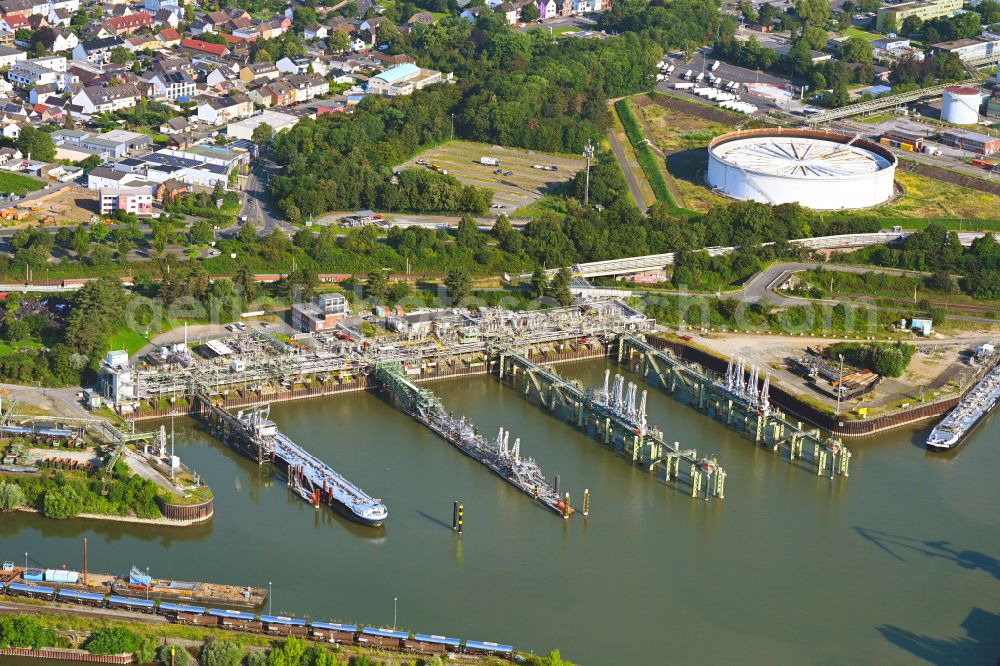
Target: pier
252, 433
740, 401
498, 455
616, 418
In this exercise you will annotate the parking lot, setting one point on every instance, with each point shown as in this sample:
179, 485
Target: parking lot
702, 62
517, 185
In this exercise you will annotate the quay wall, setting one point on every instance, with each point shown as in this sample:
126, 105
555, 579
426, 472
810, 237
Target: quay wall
791, 404
479, 366
66, 654
192, 513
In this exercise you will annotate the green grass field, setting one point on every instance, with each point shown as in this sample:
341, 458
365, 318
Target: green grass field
8, 348
18, 184
858, 32
128, 340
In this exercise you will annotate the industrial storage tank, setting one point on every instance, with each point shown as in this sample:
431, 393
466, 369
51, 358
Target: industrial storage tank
820, 170
960, 105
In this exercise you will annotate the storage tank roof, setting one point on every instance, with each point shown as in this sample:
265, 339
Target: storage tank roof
963, 90
798, 157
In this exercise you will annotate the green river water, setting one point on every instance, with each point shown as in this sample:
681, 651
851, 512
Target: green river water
898, 564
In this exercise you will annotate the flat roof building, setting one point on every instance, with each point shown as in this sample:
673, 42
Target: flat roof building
243, 129
324, 313
403, 79
891, 17
969, 49
972, 141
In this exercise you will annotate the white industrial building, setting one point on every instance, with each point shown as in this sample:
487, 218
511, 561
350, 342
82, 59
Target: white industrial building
818, 170
243, 129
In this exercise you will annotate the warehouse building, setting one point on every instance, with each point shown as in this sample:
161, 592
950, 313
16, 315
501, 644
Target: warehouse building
973, 142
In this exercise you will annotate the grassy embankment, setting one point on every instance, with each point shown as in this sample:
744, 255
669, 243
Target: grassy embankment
644, 153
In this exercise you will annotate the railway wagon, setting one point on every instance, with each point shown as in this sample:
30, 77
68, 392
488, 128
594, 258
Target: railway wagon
382, 637
33, 591
284, 626
140, 605
83, 598
184, 614
488, 648
333, 632
431, 643
237, 620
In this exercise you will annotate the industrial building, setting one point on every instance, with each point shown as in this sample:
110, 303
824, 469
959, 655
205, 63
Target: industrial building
402, 80
891, 17
322, 314
820, 170
973, 142
904, 139
969, 49
243, 129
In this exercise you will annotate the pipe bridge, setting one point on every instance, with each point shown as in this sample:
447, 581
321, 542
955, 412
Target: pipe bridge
740, 400
614, 415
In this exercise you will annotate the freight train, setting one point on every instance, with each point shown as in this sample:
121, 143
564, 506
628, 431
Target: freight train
328, 632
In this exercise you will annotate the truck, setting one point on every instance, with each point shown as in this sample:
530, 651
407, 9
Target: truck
682, 86
715, 65
700, 77
932, 150
687, 75
436, 167
489, 161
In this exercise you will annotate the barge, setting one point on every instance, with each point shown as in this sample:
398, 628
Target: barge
972, 409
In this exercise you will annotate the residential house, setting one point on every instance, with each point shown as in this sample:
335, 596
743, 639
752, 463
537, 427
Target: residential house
101, 99
224, 110
97, 51
564, 8
169, 38
509, 10
153, 6
313, 32
175, 125
60, 17
392, 60
167, 18
9, 56
51, 69
42, 92
276, 27
127, 25
259, 71
308, 87
14, 22
276, 93
472, 13
23, 7
136, 200
546, 9
198, 46
66, 40
172, 85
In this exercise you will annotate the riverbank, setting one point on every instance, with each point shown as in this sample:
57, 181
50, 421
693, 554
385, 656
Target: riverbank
163, 522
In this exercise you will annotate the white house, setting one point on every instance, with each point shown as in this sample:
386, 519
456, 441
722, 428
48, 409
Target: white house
66, 40
136, 200
9, 56
173, 85
100, 99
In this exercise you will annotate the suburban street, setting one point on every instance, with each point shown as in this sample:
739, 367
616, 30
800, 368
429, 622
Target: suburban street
257, 205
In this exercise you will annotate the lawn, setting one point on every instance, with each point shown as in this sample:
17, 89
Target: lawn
128, 340
854, 31
18, 184
8, 348
547, 204
929, 198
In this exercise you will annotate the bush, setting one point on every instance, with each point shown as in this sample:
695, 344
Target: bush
62, 503
888, 360
113, 640
221, 653
24, 631
181, 657
256, 658
146, 652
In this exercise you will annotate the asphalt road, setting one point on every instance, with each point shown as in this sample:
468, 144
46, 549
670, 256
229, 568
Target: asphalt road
258, 207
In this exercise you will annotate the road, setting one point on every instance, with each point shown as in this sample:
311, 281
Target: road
633, 185
258, 207
581, 22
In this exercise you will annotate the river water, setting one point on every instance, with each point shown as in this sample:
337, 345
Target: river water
898, 563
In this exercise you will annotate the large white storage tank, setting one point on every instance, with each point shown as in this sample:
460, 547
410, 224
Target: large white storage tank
960, 105
820, 170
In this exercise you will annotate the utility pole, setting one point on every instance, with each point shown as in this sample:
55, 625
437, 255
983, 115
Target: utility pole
840, 382
394, 600
588, 152
453, 127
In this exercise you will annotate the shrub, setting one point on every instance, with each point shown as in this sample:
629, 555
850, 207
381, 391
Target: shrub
180, 657
11, 496
24, 631
146, 652
256, 658
62, 503
221, 653
113, 640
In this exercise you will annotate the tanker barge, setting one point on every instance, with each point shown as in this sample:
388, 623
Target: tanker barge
967, 414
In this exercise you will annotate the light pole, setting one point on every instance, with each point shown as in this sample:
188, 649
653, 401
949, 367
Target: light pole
840, 382
394, 600
147, 584
268, 597
453, 127
588, 152
25, 563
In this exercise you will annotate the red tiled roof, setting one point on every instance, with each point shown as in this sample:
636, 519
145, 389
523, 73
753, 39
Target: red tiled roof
169, 35
207, 47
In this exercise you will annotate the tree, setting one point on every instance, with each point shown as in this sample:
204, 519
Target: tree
221, 653
530, 13
856, 49
11, 496
245, 283
112, 640
377, 286
121, 56
262, 134
458, 283
539, 283
25, 631
62, 503
36, 143
912, 25
338, 41
300, 285
989, 10
201, 233
559, 289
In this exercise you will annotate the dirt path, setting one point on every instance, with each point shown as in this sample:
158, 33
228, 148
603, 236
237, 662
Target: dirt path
627, 168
